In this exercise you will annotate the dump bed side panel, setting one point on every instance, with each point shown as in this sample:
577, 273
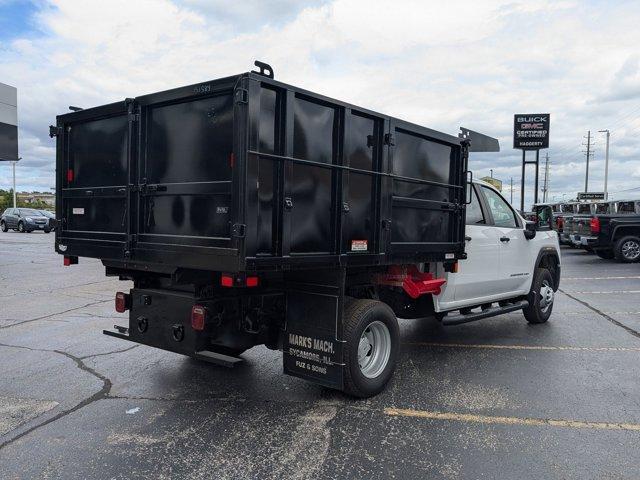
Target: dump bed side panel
330, 183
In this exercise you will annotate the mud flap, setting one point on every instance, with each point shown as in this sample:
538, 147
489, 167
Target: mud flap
313, 344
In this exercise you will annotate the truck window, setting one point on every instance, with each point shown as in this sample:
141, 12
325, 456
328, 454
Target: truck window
566, 208
625, 207
584, 208
474, 211
503, 215
602, 208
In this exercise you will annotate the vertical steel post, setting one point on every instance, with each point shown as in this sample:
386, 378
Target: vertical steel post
522, 183
14, 184
535, 195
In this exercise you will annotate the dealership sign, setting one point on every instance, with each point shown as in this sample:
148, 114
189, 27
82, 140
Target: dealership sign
8, 123
590, 195
531, 131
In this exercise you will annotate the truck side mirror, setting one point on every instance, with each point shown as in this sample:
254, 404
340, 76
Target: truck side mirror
544, 217
530, 230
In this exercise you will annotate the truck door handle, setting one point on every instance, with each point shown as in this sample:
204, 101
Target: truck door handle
504, 239
467, 238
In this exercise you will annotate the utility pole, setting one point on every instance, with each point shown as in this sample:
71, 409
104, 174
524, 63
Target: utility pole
606, 164
491, 170
545, 187
586, 177
511, 189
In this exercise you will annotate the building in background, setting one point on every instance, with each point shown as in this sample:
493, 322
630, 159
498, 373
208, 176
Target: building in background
37, 198
493, 181
8, 123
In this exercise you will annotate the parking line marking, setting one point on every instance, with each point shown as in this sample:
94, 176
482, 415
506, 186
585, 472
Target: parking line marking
601, 278
608, 313
533, 422
524, 347
603, 292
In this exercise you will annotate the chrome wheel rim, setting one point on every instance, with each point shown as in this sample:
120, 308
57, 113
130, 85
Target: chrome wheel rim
546, 296
631, 249
374, 349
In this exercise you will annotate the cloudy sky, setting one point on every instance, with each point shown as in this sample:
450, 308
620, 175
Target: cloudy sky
439, 64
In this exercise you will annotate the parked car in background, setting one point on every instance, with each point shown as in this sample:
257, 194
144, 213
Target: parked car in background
24, 220
616, 235
52, 218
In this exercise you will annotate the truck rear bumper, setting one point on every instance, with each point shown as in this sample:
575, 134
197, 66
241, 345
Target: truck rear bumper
205, 355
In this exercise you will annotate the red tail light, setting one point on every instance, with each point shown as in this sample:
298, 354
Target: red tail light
69, 260
560, 222
198, 317
595, 225
122, 302
226, 281
252, 281
69, 175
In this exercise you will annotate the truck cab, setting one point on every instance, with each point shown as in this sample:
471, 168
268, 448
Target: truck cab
504, 254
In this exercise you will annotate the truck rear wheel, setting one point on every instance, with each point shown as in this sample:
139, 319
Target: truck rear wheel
372, 340
627, 249
540, 297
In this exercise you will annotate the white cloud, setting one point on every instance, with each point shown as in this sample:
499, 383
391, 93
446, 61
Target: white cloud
442, 65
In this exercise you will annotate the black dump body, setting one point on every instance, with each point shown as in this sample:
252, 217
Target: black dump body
247, 174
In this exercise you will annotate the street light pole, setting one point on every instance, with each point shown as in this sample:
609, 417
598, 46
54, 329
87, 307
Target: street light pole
606, 164
14, 183
13, 164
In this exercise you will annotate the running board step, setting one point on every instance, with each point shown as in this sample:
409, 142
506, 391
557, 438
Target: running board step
218, 358
489, 312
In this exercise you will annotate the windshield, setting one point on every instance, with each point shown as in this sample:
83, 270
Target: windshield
30, 211
602, 208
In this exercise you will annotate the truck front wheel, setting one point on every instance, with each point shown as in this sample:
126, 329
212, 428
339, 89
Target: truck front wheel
372, 340
627, 249
540, 297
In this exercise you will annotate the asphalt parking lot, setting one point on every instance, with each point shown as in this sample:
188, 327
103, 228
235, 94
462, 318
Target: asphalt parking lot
493, 399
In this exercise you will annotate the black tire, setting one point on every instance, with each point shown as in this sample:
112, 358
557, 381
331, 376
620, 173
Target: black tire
539, 310
21, 227
605, 254
46, 230
627, 249
4, 227
360, 315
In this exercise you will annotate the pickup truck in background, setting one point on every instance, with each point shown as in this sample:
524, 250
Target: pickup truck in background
251, 212
616, 235
577, 227
561, 212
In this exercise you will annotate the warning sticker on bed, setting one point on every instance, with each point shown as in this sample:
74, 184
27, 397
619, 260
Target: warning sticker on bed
78, 211
358, 245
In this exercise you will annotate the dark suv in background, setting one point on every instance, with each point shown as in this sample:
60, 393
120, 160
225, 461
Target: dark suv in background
24, 220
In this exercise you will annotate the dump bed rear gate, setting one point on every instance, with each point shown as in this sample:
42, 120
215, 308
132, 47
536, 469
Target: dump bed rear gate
246, 173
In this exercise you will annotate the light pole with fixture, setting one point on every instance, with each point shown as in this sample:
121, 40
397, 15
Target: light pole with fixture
606, 164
